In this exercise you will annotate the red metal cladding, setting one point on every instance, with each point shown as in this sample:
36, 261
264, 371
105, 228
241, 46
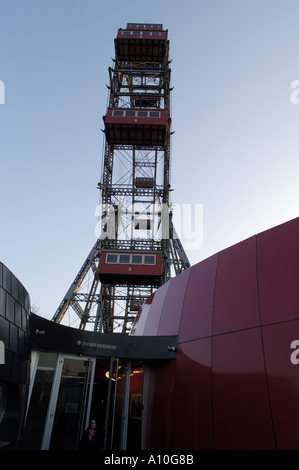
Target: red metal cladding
173, 303
197, 309
140, 321
241, 408
160, 415
236, 296
278, 272
193, 397
155, 312
235, 382
283, 379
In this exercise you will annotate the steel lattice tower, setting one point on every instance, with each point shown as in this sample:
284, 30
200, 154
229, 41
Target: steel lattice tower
136, 230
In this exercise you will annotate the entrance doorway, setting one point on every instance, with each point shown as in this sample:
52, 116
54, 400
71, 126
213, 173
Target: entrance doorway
69, 391
69, 407
120, 413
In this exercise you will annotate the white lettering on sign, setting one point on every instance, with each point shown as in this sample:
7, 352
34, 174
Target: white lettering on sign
295, 354
96, 345
2, 353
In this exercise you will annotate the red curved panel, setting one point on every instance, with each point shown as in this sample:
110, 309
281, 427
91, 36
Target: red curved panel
193, 397
278, 273
283, 380
155, 312
160, 414
236, 386
197, 310
173, 303
140, 320
242, 417
236, 297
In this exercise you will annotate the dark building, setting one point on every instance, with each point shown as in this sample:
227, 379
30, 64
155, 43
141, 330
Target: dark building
15, 354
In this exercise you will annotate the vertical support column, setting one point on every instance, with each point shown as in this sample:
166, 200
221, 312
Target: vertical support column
109, 420
125, 408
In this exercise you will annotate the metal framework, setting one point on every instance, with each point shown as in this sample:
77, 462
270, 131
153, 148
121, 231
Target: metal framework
135, 213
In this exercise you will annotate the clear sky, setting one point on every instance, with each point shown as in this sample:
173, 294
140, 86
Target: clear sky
236, 142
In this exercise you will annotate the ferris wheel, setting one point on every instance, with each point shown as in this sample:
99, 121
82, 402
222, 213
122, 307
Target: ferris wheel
137, 249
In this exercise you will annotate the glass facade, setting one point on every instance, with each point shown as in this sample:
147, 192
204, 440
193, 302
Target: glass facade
15, 341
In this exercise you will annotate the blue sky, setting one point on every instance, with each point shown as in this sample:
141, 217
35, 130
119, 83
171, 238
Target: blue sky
236, 142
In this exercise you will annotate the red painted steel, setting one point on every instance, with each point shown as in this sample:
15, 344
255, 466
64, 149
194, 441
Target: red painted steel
235, 382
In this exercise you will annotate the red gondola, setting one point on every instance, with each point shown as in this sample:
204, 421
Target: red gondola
141, 43
144, 183
140, 268
146, 127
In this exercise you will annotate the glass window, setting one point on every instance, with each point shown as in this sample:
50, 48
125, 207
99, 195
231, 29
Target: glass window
154, 114
130, 113
111, 258
137, 33
39, 402
156, 33
149, 259
71, 403
124, 259
142, 113
136, 259
118, 113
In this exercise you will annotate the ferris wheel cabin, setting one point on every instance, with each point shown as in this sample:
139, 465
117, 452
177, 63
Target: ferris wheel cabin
142, 127
141, 43
140, 268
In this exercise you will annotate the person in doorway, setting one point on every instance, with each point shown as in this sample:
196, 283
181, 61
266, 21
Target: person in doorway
90, 438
